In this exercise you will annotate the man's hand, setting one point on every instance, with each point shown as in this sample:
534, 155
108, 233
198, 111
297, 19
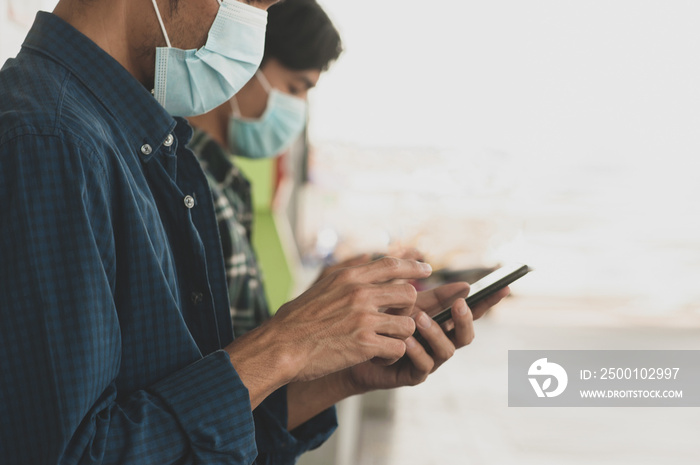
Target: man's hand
308, 399
444, 340
336, 324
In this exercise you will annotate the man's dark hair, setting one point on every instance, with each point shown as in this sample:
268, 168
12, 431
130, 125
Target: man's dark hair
301, 36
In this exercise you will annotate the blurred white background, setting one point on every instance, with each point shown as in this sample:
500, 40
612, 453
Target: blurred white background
563, 132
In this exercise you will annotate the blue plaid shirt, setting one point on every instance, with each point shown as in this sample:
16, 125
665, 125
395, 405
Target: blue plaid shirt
113, 301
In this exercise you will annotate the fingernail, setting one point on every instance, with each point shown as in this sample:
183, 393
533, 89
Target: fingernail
410, 343
423, 321
462, 309
427, 268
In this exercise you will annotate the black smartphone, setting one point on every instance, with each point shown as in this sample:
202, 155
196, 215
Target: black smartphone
485, 287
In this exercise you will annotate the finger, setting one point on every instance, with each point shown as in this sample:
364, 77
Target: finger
390, 268
354, 261
448, 326
395, 326
463, 324
406, 311
385, 362
441, 347
411, 253
483, 306
389, 348
422, 362
350, 262
400, 297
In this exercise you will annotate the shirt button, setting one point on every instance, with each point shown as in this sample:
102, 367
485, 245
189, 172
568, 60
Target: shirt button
169, 140
146, 149
189, 201
197, 298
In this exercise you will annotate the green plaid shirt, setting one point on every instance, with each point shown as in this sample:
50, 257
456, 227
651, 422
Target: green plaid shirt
234, 213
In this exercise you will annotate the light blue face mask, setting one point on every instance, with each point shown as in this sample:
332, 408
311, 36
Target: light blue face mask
193, 82
279, 126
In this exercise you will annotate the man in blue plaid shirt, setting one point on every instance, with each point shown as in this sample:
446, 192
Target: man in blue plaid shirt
116, 345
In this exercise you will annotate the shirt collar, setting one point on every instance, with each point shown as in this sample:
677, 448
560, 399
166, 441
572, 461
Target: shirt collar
144, 120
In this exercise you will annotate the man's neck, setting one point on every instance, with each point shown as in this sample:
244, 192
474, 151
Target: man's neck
109, 24
214, 123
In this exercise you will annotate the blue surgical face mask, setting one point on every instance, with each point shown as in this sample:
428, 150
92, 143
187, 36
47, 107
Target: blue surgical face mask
279, 126
193, 82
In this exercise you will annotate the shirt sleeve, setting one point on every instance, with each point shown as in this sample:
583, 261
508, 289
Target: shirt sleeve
60, 340
276, 445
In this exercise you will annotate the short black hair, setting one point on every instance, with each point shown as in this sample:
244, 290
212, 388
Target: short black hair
301, 36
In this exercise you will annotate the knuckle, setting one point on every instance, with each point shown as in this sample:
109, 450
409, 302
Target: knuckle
358, 294
409, 325
343, 275
422, 377
466, 340
349, 274
398, 349
445, 353
362, 320
410, 292
391, 263
465, 320
403, 326
364, 338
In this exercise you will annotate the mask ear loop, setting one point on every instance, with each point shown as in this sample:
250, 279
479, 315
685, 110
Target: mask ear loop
234, 106
162, 26
263, 81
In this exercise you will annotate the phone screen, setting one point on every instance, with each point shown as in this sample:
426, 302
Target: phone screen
486, 286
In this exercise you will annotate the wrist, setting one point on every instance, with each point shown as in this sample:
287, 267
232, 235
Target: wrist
307, 399
264, 362
348, 383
